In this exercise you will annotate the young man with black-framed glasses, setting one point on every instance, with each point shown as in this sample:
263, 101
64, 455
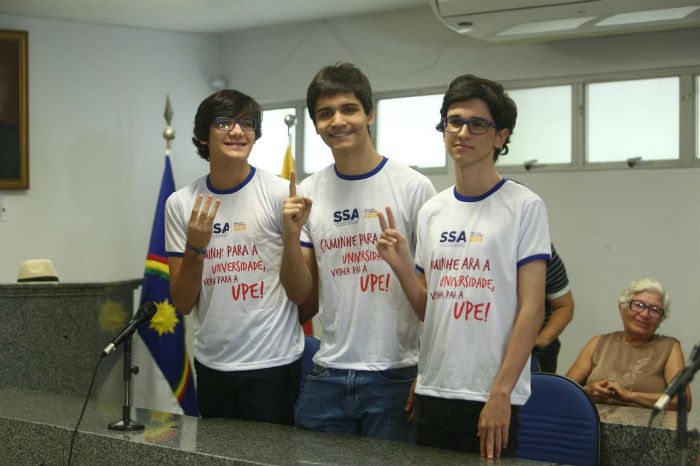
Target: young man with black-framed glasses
481, 255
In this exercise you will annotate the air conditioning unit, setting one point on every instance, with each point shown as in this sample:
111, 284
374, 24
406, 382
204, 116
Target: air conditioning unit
511, 20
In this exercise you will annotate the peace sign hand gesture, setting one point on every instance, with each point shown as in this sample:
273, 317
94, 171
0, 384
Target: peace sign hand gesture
392, 244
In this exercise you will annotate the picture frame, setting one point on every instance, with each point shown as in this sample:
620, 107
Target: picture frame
14, 106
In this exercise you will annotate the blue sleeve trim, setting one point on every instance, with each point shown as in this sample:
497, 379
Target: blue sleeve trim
176, 254
306, 245
420, 269
536, 257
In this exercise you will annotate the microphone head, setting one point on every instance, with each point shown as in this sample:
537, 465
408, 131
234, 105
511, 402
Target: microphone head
147, 311
695, 353
694, 359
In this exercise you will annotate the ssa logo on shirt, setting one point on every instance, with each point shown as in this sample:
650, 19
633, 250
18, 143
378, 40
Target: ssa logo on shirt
455, 237
343, 217
223, 228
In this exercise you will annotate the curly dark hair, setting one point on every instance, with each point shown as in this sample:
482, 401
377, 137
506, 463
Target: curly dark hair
223, 103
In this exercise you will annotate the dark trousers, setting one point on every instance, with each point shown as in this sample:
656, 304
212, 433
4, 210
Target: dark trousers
266, 395
453, 424
547, 360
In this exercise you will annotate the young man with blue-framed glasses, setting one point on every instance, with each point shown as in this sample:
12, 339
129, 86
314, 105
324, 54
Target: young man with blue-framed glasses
223, 236
481, 255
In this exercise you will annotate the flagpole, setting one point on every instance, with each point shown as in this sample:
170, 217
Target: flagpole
126, 423
287, 166
289, 120
165, 337
169, 132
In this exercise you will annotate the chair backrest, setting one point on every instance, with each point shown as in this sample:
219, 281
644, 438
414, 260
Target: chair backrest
559, 423
311, 345
534, 365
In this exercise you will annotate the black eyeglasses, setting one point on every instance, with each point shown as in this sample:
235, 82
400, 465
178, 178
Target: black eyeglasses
453, 124
638, 307
228, 123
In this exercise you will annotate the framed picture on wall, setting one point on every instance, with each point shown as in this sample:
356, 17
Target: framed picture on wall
14, 129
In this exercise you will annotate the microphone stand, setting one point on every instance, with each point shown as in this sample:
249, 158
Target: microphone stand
682, 426
126, 423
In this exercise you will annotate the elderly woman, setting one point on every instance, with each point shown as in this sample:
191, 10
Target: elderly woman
632, 367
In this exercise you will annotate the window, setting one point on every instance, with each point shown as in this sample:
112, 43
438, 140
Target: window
596, 122
543, 128
317, 155
406, 131
629, 119
268, 151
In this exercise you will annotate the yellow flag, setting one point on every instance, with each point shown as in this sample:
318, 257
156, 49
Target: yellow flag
288, 163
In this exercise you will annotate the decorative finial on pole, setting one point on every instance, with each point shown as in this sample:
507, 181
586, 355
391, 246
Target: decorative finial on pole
168, 133
289, 120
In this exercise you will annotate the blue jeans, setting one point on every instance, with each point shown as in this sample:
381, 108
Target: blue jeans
366, 403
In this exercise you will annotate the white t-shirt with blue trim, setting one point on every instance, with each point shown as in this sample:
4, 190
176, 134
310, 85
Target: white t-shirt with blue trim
368, 324
243, 317
470, 249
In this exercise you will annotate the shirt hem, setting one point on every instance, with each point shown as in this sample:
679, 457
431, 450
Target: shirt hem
249, 366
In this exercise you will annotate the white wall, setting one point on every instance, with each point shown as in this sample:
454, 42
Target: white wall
96, 156
616, 226
610, 227
413, 49
96, 151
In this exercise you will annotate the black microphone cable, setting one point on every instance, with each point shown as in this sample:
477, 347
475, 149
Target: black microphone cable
87, 398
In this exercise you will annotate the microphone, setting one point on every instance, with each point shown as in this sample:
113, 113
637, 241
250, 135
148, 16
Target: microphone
680, 381
143, 314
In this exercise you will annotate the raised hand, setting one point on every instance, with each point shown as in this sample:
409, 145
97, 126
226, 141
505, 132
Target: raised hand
392, 244
200, 226
393, 248
296, 209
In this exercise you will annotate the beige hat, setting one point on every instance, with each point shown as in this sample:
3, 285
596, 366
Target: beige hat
37, 270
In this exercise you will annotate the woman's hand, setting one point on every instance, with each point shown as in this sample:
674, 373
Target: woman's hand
619, 392
599, 391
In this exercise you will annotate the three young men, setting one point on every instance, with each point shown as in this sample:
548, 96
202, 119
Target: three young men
369, 348
482, 250
224, 243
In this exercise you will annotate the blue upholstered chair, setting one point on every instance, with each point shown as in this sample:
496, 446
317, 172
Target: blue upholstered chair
560, 423
534, 365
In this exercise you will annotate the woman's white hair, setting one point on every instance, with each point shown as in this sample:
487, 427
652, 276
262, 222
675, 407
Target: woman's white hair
646, 284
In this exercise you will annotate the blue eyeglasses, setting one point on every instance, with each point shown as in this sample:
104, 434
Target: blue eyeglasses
453, 124
228, 123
